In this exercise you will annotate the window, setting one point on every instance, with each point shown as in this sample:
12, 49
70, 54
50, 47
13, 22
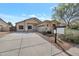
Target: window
29, 27
47, 25
20, 27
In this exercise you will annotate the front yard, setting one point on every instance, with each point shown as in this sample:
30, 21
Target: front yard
66, 40
51, 38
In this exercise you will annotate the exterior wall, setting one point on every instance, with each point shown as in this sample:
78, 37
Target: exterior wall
29, 29
17, 26
0, 28
32, 23
45, 27
42, 29
27, 23
4, 26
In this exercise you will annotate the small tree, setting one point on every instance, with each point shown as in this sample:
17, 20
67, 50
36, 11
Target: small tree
66, 12
10, 24
11, 28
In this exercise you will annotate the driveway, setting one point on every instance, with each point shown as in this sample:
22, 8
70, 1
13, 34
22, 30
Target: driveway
27, 44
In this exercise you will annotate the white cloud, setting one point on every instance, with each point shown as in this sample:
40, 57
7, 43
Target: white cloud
24, 15
40, 16
16, 18
33, 15
11, 18
43, 18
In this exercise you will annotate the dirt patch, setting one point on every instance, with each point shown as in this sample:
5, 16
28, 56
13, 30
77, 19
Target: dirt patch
3, 34
63, 44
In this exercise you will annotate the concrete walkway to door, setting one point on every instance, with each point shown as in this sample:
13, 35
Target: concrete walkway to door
27, 44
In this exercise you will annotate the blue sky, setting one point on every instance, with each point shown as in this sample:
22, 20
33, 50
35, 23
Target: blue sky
15, 12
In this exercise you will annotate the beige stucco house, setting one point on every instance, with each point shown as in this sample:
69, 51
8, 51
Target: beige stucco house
28, 25
34, 24
3, 26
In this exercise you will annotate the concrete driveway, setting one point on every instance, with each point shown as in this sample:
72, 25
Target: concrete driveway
27, 44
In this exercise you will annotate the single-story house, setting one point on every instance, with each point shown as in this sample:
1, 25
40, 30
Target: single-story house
34, 24
4, 26
28, 25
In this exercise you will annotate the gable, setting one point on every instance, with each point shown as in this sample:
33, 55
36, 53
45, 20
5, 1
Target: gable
20, 23
3, 22
30, 20
33, 20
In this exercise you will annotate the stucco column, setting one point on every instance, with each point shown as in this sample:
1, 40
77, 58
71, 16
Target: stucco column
26, 27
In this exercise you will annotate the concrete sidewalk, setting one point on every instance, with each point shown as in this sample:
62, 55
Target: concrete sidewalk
74, 50
27, 44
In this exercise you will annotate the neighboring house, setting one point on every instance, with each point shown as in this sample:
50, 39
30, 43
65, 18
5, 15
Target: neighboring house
4, 26
28, 25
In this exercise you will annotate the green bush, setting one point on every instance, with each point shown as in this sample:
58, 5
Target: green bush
70, 36
75, 26
49, 32
46, 32
75, 40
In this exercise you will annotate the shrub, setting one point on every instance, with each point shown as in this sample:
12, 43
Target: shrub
49, 32
70, 36
44, 32
75, 39
75, 26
